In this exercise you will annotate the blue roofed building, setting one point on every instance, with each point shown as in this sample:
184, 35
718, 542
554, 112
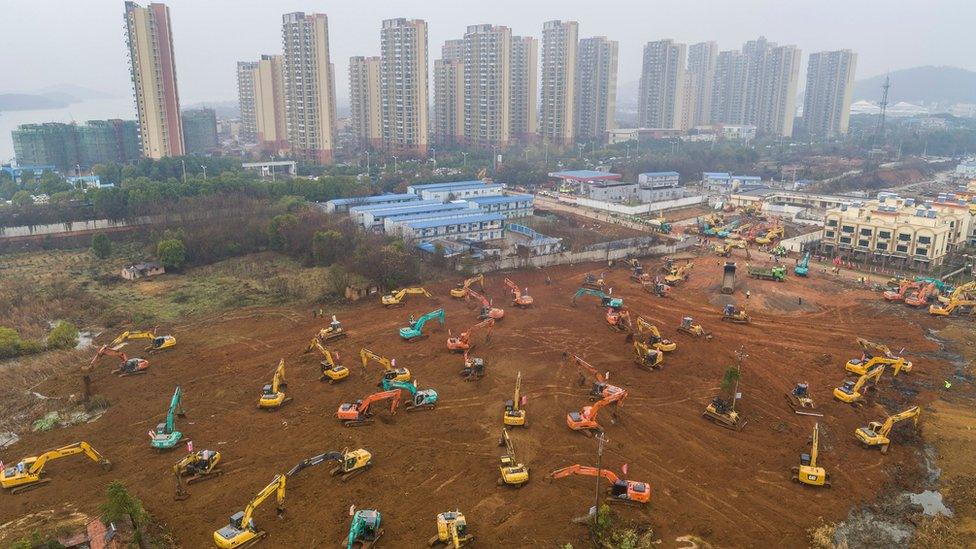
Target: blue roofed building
477, 227
342, 205
510, 205
455, 190
372, 216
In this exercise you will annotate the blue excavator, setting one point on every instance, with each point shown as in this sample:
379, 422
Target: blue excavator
421, 399
365, 529
166, 436
415, 331
605, 299
803, 267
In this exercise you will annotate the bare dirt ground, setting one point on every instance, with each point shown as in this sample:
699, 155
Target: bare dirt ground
731, 489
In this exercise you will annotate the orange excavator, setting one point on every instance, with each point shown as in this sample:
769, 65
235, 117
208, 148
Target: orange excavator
922, 296
462, 342
585, 419
628, 492
519, 299
600, 388
619, 319
487, 310
903, 290
358, 413
127, 366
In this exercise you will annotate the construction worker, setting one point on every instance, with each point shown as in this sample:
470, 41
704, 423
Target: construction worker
748, 294
947, 385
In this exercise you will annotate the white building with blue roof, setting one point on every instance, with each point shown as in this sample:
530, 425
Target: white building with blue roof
477, 227
342, 205
456, 190
509, 205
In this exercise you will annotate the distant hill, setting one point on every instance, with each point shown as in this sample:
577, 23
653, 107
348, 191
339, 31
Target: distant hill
78, 93
31, 102
224, 109
921, 85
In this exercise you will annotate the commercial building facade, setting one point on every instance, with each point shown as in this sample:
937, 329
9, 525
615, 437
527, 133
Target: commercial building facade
403, 85
596, 87
68, 147
200, 131
309, 83
662, 84
557, 103
829, 90
364, 101
153, 71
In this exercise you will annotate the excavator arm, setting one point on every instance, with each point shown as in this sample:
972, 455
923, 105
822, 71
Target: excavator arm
814, 448
366, 355
394, 395
874, 374
127, 335
175, 408
516, 397
276, 488
65, 451
516, 291
315, 460
587, 367
911, 413
600, 404
874, 349
585, 470
279, 377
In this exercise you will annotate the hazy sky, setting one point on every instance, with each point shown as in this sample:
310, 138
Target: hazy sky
47, 42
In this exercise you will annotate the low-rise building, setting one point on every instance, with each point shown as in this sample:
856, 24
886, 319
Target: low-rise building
509, 205
391, 223
478, 227
17, 173
357, 213
574, 180
612, 191
726, 182
342, 205
272, 169
743, 133
966, 169
659, 186
455, 190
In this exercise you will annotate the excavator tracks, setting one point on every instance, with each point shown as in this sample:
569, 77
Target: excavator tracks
28, 487
201, 478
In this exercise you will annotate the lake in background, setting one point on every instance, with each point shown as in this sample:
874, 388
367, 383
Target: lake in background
95, 109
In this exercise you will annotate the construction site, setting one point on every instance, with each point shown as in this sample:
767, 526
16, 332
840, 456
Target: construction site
535, 355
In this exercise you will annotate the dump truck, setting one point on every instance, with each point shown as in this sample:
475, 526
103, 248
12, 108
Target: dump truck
777, 273
728, 277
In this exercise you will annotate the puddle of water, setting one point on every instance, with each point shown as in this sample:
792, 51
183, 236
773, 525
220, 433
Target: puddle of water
931, 502
85, 340
8, 439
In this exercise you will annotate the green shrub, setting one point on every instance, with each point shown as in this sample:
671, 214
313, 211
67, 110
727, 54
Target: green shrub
171, 253
63, 336
101, 246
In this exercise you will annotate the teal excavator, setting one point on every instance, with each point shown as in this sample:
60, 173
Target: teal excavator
365, 529
415, 331
803, 267
166, 436
422, 399
605, 299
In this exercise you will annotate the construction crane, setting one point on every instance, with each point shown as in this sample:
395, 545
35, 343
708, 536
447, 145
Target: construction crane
519, 298
461, 290
874, 354
240, 530
600, 388
650, 336
395, 299
803, 267
332, 331
876, 433
198, 466
922, 296
415, 331
474, 368
850, 391
26, 474
809, 472
127, 366
592, 282
462, 343
619, 319
420, 399
487, 309
605, 298
156, 343
166, 436
799, 398
679, 274
390, 370
349, 463
272, 397
365, 529
692, 328
514, 415
738, 315
452, 530
904, 287
512, 472
358, 413
332, 371
621, 491
585, 419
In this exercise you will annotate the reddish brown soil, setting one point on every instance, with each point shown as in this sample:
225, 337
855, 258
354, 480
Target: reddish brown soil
730, 488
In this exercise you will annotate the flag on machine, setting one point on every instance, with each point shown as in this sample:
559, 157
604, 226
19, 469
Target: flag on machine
623, 469
189, 446
525, 398
152, 434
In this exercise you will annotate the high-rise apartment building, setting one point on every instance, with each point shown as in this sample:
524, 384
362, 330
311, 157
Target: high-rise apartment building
557, 104
364, 101
200, 131
309, 81
827, 100
69, 147
448, 101
403, 85
702, 60
245, 98
728, 104
270, 107
153, 69
662, 84
596, 87
486, 64
777, 104
524, 112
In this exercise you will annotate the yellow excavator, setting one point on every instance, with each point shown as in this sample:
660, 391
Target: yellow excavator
452, 530
461, 290
241, 531
678, 274
391, 372
272, 396
876, 433
965, 291
651, 336
874, 354
395, 299
156, 343
948, 308
198, 467
512, 472
514, 415
332, 371
850, 391
350, 463
26, 474
809, 472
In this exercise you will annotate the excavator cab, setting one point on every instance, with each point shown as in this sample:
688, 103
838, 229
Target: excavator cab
452, 530
630, 491
474, 368
133, 366
799, 397
513, 416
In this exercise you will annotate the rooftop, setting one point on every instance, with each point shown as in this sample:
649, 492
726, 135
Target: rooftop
661, 174
381, 208
716, 175
474, 218
374, 199
452, 185
500, 199
584, 174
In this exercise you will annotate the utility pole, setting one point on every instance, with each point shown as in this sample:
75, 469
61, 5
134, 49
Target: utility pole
879, 133
464, 161
183, 163
601, 440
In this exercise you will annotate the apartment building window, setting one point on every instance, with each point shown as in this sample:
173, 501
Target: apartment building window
904, 237
866, 232
863, 243
901, 248
847, 229
921, 251
884, 234
845, 240
925, 240
881, 246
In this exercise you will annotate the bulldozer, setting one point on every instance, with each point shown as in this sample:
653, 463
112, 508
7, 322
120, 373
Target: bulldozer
809, 472
512, 472
365, 531
514, 415
272, 396
692, 328
27, 473
452, 530
850, 391
359, 413
197, 466
240, 530
156, 343
474, 368
461, 290
331, 370
395, 299
799, 398
348, 463
127, 366
593, 282
332, 331
731, 313
628, 492
876, 433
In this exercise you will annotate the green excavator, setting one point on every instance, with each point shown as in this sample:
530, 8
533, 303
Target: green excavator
166, 436
415, 331
605, 299
365, 529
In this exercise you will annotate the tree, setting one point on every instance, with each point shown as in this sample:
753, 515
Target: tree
120, 505
101, 246
22, 198
171, 253
63, 336
326, 246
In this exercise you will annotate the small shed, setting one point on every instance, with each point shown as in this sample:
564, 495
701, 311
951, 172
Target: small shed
142, 270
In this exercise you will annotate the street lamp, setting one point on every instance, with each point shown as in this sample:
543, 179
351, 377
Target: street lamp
494, 158
366, 152
204, 172
395, 163
433, 154
580, 146
183, 163
464, 159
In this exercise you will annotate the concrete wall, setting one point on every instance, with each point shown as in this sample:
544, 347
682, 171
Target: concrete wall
796, 243
642, 208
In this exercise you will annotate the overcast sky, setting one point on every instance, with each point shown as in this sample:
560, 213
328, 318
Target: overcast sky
48, 42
